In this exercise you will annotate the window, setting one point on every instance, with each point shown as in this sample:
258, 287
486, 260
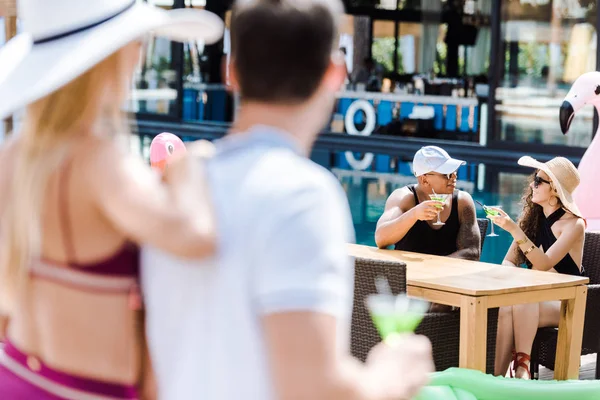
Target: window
156, 79
383, 47
545, 46
174, 79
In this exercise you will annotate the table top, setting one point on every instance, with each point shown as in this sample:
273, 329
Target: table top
472, 278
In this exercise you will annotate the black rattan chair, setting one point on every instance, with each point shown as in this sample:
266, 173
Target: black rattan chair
483, 226
363, 334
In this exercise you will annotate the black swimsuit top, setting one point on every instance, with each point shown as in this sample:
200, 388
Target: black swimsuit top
422, 238
546, 239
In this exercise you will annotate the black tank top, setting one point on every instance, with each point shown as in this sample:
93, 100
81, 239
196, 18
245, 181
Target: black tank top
422, 238
546, 239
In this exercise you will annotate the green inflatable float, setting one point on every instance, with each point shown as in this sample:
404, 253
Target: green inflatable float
467, 384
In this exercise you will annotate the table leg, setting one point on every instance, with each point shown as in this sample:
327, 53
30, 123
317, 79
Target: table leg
473, 332
570, 335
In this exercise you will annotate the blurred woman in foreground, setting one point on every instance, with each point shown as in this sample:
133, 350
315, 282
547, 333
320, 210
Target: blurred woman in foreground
74, 204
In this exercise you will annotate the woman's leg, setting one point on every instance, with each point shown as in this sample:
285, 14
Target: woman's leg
504, 341
527, 318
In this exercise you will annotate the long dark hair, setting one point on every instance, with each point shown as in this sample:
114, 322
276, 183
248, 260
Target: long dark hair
530, 218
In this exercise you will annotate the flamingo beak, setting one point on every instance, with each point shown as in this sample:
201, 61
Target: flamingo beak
566, 116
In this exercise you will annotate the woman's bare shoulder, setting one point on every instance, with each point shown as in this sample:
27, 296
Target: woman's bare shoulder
98, 155
572, 223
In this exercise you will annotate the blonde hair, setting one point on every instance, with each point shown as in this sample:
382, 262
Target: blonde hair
51, 125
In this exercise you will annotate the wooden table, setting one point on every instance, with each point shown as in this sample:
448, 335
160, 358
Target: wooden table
476, 286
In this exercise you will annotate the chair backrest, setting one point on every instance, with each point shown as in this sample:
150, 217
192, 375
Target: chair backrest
591, 257
483, 226
363, 334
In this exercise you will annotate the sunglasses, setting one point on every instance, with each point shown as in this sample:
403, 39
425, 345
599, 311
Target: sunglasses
446, 176
537, 181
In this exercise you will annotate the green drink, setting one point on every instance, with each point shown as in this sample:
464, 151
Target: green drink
408, 322
399, 323
442, 199
393, 315
385, 324
490, 212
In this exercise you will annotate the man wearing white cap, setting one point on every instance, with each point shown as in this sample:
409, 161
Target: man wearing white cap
411, 221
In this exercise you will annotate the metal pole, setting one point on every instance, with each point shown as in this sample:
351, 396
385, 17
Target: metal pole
496, 58
177, 63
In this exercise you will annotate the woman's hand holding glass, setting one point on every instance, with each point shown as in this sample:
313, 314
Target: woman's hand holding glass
504, 221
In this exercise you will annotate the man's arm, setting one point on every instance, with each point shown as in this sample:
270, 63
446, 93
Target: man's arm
400, 215
468, 241
306, 364
176, 217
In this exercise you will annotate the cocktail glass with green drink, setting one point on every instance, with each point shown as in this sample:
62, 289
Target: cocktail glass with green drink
393, 315
491, 214
442, 199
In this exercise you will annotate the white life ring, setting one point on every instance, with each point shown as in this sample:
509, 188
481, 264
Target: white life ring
371, 119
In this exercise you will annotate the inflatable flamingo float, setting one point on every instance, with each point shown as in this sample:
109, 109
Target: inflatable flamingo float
585, 90
163, 147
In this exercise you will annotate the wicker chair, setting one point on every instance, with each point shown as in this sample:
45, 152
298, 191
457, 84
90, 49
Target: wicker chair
544, 345
483, 226
442, 329
363, 334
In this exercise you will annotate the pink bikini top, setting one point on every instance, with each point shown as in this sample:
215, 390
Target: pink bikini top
118, 272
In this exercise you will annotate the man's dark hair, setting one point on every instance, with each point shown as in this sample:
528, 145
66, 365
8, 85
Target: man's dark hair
282, 48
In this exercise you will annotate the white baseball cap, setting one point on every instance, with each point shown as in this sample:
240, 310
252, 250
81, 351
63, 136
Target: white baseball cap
434, 159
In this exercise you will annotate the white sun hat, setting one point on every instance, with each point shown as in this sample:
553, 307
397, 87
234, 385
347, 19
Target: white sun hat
62, 39
564, 177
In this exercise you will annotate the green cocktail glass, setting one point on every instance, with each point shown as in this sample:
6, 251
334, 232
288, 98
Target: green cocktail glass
491, 213
393, 315
442, 199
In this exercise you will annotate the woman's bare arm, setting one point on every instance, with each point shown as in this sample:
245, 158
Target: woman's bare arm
510, 259
175, 216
